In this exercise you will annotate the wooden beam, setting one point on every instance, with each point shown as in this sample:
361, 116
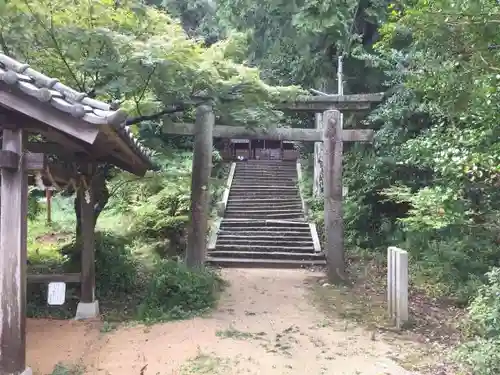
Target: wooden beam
334, 222
200, 188
45, 113
275, 134
9, 160
59, 172
49, 148
88, 238
13, 253
81, 156
49, 278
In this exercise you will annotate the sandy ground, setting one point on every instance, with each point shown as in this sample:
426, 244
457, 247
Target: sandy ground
265, 324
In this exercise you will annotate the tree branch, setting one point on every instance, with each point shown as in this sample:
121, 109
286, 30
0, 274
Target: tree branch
4, 45
56, 44
175, 108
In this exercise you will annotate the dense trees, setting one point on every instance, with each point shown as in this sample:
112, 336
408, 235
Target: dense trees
136, 55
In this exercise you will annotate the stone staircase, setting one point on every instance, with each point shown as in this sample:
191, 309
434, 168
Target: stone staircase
264, 223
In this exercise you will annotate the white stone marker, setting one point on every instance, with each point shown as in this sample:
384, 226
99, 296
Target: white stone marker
56, 295
397, 285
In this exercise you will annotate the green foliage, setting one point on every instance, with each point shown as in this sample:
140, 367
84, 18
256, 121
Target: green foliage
430, 208
167, 290
481, 353
158, 205
299, 41
33, 205
62, 369
176, 292
116, 269
138, 55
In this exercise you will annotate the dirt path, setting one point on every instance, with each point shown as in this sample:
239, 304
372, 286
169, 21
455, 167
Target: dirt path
266, 324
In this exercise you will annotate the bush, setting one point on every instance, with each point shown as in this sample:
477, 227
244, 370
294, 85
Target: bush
163, 215
116, 269
176, 292
482, 353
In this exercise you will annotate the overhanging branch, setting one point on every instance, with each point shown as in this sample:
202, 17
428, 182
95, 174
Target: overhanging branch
174, 108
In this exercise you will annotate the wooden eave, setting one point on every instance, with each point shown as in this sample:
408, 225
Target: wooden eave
79, 124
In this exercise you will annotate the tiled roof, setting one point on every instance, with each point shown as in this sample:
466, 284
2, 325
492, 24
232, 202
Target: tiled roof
65, 99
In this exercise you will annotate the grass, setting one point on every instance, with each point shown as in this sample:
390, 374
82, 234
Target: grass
362, 302
65, 369
205, 363
133, 281
233, 333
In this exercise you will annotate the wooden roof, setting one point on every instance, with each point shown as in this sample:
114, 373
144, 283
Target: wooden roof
77, 123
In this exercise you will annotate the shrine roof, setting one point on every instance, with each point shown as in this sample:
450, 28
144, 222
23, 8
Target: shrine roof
21, 79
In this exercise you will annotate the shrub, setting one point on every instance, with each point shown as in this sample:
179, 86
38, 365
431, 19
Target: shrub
482, 353
176, 292
116, 269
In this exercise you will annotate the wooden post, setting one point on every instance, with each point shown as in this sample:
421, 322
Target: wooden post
200, 189
48, 196
397, 285
88, 240
318, 160
334, 222
13, 254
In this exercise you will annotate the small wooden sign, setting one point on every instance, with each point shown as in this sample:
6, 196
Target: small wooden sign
56, 295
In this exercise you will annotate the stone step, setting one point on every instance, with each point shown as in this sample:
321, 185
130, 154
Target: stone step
264, 172
253, 177
263, 206
254, 183
267, 200
264, 187
271, 237
263, 232
259, 193
286, 243
296, 249
270, 215
262, 223
262, 211
266, 166
271, 190
265, 176
252, 213
263, 263
275, 193
266, 233
262, 165
265, 255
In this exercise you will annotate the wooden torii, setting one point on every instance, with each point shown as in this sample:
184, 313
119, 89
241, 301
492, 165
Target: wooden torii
41, 118
332, 135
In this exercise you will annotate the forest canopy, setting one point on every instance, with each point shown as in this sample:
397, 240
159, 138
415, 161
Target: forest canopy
139, 56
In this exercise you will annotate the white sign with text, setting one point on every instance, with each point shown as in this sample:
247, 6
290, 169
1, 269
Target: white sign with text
56, 295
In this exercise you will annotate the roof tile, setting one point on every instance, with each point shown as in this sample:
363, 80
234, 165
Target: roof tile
68, 100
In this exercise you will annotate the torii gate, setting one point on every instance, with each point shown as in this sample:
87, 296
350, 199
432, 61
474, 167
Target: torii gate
332, 136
